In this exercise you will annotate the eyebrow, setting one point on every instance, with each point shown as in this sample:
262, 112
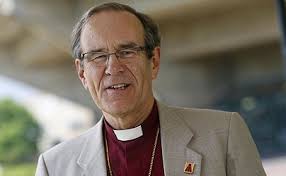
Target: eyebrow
127, 45
100, 50
120, 46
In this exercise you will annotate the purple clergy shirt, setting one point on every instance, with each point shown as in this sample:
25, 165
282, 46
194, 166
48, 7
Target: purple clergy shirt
133, 158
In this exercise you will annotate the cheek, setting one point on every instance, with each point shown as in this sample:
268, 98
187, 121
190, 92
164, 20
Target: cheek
136, 73
94, 77
141, 73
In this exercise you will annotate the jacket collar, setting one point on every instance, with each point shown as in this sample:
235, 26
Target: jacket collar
175, 137
92, 156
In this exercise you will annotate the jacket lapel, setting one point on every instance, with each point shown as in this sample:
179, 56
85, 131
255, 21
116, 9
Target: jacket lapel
92, 156
175, 136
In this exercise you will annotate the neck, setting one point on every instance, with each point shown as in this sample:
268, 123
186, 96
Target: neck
132, 119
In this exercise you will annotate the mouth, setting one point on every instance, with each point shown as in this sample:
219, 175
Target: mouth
120, 86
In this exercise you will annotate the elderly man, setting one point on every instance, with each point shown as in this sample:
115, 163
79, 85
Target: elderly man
117, 55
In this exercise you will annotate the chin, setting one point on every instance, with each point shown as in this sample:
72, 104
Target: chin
118, 107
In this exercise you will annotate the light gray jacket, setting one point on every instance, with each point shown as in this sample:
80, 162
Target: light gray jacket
219, 143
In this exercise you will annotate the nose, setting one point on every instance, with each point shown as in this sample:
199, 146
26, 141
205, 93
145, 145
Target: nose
113, 65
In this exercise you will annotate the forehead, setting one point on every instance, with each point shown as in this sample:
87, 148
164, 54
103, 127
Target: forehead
109, 29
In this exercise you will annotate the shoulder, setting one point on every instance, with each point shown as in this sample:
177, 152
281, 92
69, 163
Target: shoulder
68, 150
202, 121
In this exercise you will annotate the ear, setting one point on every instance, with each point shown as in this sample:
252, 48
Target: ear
155, 62
80, 72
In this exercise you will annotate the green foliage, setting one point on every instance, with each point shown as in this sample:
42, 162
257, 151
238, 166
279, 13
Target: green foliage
19, 133
27, 169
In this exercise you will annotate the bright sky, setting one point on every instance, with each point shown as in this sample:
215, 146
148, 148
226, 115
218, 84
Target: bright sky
7, 7
15, 89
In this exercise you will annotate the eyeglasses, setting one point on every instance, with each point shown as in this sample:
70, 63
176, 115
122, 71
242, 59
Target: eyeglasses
123, 55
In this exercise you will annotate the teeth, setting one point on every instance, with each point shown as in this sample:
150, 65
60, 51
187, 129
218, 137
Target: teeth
119, 86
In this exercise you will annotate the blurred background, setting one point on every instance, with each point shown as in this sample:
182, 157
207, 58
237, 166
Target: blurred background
222, 54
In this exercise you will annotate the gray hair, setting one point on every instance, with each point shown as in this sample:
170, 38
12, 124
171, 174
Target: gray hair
152, 37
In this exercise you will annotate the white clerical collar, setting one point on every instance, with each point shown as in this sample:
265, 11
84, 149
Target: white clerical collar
129, 134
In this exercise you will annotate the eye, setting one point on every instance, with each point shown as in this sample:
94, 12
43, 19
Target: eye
98, 57
127, 53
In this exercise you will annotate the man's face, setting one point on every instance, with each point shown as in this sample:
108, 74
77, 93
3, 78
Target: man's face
109, 31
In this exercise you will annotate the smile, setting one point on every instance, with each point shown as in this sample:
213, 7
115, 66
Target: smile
119, 86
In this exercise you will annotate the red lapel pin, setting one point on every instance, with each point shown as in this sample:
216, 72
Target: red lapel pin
189, 168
